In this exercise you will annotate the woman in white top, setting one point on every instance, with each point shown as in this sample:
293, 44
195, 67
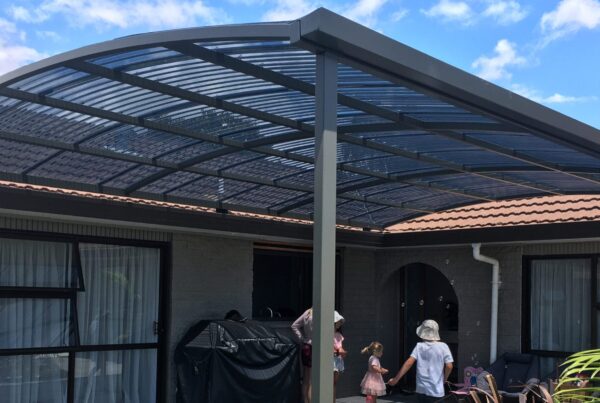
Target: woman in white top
434, 363
303, 329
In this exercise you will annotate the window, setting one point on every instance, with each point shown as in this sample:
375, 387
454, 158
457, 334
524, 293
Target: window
282, 282
560, 307
82, 321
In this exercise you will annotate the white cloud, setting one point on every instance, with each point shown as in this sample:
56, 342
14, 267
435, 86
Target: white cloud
449, 10
570, 16
364, 11
53, 36
287, 10
505, 12
400, 14
124, 14
495, 67
12, 53
555, 98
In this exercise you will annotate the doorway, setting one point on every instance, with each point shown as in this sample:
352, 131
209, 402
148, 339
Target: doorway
425, 293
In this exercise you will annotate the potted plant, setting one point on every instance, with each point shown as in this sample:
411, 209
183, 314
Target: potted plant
580, 380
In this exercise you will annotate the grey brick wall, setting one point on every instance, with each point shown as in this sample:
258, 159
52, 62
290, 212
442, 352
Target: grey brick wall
210, 276
358, 290
471, 282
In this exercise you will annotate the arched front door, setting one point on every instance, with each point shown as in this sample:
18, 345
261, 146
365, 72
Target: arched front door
425, 293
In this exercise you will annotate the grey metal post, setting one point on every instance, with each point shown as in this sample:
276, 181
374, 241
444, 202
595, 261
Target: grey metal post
324, 228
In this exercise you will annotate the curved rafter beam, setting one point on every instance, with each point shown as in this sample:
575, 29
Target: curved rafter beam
441, 163
305, 130
61, 147
427, 126
149, 124
406, 121
220, 174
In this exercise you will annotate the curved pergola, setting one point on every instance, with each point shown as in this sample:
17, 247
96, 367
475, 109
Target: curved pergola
251, 117
224, 117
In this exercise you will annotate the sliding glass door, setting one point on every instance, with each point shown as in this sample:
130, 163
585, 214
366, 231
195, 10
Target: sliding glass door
80, 321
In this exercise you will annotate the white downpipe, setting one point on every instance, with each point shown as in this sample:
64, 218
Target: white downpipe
495, 285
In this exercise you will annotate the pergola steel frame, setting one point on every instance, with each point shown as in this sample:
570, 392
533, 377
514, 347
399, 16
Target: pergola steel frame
399, 119
142, 122
380, 178
44, 100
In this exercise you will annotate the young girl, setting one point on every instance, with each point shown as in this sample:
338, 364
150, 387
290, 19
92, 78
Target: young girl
372, 384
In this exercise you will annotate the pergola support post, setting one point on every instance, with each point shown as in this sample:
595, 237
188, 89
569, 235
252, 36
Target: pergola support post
324, 228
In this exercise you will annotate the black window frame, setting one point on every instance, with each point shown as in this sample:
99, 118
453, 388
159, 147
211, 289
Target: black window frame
526, 302
70, 293
283, 249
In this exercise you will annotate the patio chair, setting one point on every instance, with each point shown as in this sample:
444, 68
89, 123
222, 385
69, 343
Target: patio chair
514, 375
462, 390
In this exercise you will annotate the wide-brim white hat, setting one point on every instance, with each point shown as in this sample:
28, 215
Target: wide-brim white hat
429, 330
337, 317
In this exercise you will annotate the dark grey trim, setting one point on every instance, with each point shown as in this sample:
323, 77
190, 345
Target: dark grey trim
67, 205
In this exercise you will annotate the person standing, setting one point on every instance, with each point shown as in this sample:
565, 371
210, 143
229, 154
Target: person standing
434, 363
303, 329
372, 384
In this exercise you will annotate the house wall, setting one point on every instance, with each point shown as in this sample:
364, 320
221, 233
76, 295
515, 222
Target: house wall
358, 289
210, 276
372, 300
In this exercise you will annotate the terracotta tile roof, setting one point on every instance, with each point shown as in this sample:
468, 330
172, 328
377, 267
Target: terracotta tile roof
538, 210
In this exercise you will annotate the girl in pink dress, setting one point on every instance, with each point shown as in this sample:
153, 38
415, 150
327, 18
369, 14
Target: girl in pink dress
372, 384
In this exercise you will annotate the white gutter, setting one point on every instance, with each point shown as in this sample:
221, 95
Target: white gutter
495, 285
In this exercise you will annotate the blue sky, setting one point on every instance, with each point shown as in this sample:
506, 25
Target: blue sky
547, 50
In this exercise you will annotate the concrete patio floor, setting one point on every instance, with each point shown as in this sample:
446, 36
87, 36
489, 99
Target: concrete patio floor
396, 398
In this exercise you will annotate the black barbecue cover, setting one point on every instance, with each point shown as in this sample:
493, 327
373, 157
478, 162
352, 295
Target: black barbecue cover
227, 361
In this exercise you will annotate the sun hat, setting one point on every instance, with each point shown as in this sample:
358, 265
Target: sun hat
429, 330
337, 317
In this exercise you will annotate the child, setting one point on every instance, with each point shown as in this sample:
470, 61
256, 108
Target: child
372, 384
434, 363
338, 350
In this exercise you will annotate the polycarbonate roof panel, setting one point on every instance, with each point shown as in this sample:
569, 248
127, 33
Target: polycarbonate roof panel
16, 157
79, 168
224, 117
30, 119
131, 176
170, 182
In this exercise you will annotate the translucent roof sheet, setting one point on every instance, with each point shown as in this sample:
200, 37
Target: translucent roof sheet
224, 117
